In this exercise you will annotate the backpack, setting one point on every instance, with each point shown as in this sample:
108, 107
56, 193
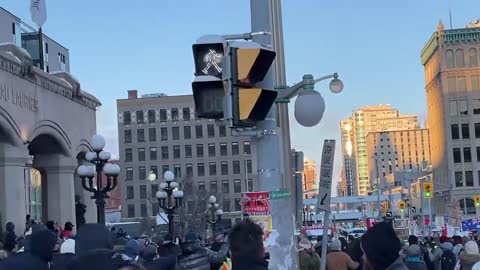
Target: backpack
448, 260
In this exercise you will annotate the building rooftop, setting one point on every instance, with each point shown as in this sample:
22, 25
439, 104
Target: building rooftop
449, 37
29, 30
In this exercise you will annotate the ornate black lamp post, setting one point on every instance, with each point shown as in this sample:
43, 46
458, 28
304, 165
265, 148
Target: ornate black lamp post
99, 160
168, 190
214, 214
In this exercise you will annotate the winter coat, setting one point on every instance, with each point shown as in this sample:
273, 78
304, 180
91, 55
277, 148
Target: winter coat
195, 257
468, 260
337, 260
437, 254
457, 249
397, 265
60, 261
309, 260
249, 263
162, 263
40, 254
93, 249
415, 263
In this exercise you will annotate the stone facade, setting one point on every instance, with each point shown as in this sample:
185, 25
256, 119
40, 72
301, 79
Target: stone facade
45, 123
452, 83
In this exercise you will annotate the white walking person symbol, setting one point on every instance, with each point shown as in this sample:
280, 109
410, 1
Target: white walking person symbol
212, 58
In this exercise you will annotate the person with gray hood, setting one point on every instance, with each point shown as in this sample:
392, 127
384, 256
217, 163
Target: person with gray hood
414, 261
437, 254
470, 256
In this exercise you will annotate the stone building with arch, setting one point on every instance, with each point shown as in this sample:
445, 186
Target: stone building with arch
45, 122
452, 82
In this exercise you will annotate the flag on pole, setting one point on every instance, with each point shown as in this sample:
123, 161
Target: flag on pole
38, 10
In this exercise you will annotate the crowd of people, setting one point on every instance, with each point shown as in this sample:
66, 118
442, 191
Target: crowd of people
50, 246
53, 247
381, 249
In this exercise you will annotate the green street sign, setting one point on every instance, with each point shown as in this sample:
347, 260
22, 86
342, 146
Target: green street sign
280, 194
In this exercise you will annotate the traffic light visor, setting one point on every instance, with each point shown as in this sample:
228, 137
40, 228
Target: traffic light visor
253, 64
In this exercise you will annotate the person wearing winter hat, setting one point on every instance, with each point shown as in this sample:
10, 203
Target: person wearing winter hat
436, 255
382, 248
470, 256
414, 258
194, 256
337, 259
66, 255
308, 258
150, 262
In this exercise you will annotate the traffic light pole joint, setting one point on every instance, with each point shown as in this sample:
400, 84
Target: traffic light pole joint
245, 36
293, 90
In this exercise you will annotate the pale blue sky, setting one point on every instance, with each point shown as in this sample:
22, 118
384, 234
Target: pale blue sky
146, 44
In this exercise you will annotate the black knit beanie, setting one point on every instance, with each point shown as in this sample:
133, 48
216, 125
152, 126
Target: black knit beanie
381, 245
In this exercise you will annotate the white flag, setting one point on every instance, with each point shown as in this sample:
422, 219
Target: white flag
38, 10
162, 219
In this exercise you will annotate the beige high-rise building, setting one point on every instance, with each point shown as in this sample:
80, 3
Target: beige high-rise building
354, 131
452, 84
310, 179
399, 150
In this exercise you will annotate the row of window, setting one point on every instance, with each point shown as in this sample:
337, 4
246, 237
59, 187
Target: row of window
463, 131
456, 59
190, 207
467, 154
151, 115
465, 179
187, 171
175, 133
188, 188
165, 154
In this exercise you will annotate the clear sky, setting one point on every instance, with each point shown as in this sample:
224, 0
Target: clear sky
146, 44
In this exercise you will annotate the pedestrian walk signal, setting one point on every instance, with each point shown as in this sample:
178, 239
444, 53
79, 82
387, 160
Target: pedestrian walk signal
208, 89
401, 206
477, 201
428, 190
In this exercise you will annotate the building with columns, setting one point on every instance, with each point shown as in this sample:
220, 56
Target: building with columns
452, 83
45, 122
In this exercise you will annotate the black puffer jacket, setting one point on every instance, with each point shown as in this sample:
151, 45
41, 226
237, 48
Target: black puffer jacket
93, 249
195, 257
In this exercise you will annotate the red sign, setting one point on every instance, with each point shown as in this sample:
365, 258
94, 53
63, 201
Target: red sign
427, 221
256, 203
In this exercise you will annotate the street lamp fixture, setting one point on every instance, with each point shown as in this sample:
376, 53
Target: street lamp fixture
214, 214
310, 105
169, 190
99, 163
152, 176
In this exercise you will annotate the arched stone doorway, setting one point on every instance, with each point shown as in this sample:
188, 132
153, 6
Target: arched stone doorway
57, 168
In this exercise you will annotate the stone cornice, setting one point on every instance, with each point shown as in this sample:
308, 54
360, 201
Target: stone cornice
49, 83
449, 37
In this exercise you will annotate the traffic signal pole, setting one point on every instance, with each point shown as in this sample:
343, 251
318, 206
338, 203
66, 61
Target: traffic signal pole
283, 254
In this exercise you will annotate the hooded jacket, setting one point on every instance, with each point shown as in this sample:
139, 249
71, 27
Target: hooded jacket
308, 260
468, 260
67, 254
437, 254
37, 258
195, 257
93, 249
